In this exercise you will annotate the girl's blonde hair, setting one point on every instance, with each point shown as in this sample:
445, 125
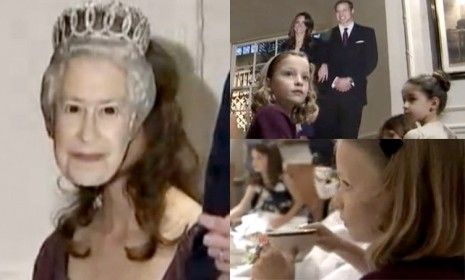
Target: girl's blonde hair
427, 217
303, 113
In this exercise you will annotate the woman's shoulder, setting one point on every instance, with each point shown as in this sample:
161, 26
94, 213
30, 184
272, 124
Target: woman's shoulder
51, 260
180, 202
181, 212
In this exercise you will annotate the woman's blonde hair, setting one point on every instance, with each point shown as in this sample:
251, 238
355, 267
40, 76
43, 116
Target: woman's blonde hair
303, 113
427, 181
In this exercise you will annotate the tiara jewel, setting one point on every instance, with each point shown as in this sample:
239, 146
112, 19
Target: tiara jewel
113, 21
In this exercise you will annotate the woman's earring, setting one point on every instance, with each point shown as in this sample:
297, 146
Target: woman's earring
272, 98
64, 185
97, 202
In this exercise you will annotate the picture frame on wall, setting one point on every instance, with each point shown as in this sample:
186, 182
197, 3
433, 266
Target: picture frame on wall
449, 18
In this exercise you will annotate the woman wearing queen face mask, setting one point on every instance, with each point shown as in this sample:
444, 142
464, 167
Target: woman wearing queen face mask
117, 136
408, 203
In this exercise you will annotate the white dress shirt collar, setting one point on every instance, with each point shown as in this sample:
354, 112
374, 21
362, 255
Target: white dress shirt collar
349, 28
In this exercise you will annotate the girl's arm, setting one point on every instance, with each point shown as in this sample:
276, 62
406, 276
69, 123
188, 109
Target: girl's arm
244, 205
281, 220
347, 250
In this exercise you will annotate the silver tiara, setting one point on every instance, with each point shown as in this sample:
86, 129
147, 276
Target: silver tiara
113, 21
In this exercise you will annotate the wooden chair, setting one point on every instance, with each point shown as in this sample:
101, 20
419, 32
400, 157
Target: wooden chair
300, 179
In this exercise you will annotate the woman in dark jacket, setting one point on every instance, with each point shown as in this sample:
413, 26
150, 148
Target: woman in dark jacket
300, 38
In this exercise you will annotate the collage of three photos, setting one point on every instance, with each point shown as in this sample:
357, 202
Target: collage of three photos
232, 139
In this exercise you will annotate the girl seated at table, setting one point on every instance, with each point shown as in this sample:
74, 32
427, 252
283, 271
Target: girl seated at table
407, 202
266, 190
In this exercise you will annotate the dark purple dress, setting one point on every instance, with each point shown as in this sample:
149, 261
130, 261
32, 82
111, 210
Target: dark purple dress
426, 268
271, 122
52, 261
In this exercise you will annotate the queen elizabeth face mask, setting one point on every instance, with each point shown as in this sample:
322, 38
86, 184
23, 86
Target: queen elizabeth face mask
93, 120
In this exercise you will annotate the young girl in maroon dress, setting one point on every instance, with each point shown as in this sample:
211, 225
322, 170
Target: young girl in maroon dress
285, 98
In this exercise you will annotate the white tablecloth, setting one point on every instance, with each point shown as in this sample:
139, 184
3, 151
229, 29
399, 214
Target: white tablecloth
318, 264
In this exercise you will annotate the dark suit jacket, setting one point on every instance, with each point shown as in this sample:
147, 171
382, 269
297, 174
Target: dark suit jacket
216, 197
357, 60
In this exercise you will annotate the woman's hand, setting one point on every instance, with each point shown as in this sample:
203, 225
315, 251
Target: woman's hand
323, 73
217, 241
343, 84
273, 264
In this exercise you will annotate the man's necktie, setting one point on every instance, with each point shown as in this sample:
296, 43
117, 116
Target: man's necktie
345, 37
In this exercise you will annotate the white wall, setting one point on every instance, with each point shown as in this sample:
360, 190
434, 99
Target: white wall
396, 53
29, 197
420, 56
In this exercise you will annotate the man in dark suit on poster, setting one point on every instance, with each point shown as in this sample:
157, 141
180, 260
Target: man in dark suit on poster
350, 55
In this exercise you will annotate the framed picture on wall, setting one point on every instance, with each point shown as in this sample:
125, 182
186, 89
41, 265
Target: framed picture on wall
450, 28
